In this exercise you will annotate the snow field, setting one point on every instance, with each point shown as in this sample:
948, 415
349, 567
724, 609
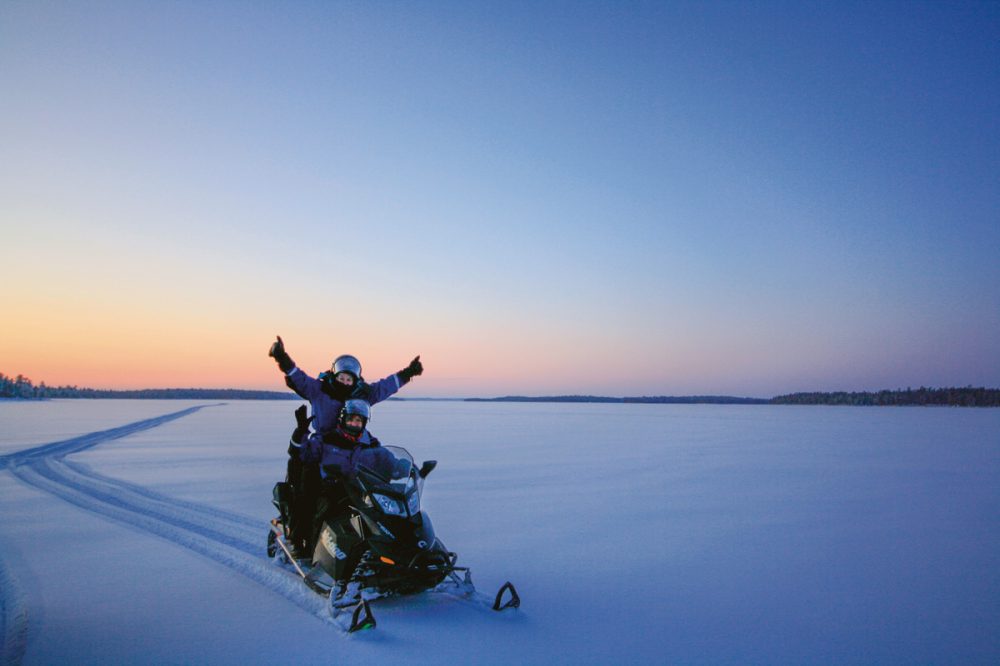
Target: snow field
634, 533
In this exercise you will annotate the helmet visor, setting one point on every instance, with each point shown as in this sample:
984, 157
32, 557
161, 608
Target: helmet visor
347, 363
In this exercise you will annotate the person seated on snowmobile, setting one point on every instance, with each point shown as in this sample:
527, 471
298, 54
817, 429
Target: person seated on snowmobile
339, 453
350, 444
326, 395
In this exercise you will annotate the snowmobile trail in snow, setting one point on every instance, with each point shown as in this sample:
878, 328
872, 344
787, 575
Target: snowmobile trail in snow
225, 538
65, 447
13, 618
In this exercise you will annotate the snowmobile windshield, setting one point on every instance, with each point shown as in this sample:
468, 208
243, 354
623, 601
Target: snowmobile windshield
399, 494
402, 468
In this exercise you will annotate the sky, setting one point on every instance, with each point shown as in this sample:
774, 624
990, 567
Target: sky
610, 198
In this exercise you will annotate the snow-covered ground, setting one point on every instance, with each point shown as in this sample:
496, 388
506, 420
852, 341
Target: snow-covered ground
634, 533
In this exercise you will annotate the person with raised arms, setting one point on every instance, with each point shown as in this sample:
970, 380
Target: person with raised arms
326, 394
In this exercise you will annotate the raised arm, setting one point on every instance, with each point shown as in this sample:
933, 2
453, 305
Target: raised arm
298, 381
303, 445
278, 353
412, 370
384, 388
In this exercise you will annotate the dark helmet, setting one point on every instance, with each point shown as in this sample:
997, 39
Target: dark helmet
355, 407
346, 363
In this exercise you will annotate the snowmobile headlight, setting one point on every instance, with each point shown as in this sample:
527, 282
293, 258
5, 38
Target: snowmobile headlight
391, 506
413, 503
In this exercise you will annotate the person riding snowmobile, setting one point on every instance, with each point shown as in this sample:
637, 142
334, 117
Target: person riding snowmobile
339, 453
350, 444
327, 392
326, 395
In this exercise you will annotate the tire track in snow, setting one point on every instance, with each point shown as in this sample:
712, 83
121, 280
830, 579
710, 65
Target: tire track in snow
163, 510
236, 519
65, 447
13, 618
255, 567
226, 538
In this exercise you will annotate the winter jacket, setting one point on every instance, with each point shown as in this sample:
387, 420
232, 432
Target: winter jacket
338, 454
325, 407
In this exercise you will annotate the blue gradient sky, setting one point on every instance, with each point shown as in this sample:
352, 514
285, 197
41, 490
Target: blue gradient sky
610, 198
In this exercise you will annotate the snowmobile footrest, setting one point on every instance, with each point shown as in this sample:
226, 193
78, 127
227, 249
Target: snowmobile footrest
362, 618
513, 602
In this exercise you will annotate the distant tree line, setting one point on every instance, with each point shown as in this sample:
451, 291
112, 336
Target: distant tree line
659, 399
22, 387
551, 398
923, 396
697, 400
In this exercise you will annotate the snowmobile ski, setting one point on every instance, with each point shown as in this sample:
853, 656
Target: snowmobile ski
277, 537
361, 618
513, 602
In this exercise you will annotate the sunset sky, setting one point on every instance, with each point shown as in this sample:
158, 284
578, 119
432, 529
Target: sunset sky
613, 198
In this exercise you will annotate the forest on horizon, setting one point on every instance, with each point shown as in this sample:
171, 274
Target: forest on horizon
21, 387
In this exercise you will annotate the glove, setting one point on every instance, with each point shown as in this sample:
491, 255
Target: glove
413, 369
301, 425
278, 353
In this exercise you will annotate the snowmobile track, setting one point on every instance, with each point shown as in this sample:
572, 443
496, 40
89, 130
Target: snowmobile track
226, 538
65, 447
13, 618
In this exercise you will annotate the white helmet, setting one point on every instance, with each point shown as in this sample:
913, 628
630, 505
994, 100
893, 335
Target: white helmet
355, 407
347, 363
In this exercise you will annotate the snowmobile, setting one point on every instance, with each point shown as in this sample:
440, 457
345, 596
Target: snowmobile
385, 547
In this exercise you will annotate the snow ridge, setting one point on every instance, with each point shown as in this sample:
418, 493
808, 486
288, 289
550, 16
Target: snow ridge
164, 511
90, 440
237, 520
13, 619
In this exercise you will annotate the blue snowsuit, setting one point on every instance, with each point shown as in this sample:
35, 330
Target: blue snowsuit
305, 475
337, 455
325, 407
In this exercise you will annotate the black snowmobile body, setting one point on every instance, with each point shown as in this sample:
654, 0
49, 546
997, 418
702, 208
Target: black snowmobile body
384, 545
387, 536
